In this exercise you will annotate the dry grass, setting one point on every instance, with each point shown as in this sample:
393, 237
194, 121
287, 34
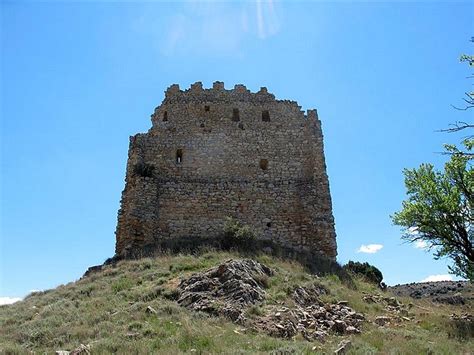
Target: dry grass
107, 311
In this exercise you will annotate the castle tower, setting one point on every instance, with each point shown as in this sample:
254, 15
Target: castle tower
214, 153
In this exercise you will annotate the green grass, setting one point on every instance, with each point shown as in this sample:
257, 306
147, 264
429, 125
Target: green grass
107, 311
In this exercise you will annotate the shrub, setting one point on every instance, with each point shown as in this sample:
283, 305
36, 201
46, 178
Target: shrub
370, 272
238, 235
143, 169
122, 284
461, 328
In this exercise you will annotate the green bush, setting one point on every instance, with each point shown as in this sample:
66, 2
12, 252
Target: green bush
370, 272
238, 235
123, 283
143, 169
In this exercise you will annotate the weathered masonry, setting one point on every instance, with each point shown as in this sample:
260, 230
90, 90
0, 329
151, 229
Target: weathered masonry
213, 153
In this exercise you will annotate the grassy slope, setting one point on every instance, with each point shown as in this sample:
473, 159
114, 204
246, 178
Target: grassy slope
107, 311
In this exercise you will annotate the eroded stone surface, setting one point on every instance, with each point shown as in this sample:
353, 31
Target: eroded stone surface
225, 290
231, 288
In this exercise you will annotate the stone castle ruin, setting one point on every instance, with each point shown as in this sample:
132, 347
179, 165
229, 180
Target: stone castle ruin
216, 153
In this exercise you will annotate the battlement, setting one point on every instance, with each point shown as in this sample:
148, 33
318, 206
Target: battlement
219, 93
198, 102
216, 153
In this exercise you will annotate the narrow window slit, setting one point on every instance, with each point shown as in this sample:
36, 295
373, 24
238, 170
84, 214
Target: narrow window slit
165, 116
207, 108
265, 116
179, 156
264, 164
235, 115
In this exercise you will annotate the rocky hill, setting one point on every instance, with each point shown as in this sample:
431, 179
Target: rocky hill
220, 302
450, 292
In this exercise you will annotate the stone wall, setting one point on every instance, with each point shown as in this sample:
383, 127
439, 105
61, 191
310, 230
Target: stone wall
213, 153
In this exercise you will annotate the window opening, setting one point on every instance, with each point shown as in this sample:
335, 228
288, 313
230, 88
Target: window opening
264, 164
207, 108
165, 116
235, 115
265, 116
179, 156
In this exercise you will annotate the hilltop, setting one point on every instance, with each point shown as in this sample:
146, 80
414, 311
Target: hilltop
218, 302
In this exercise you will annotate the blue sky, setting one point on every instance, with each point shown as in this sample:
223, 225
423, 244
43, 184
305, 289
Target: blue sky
77, 79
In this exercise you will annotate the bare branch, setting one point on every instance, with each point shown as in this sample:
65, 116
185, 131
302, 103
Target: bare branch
462, 108
457, 126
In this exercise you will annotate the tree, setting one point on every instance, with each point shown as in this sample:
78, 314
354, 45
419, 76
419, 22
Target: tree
439, 209
370, 272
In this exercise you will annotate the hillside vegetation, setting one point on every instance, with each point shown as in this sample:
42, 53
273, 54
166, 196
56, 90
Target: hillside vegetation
131, 308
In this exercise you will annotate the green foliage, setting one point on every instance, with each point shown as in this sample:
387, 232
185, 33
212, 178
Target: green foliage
143, 169
468, 58
440, 209
238, 235
469, 99
123, 283
370, 272
462, 329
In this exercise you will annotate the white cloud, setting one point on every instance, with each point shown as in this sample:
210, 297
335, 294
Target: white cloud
434, 278
370, 248
420, 244
9, 300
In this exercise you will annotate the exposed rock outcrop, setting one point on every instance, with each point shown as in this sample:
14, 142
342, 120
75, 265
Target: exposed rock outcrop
226, 289
230, 288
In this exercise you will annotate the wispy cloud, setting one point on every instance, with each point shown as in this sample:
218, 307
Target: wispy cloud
9, 300
433, 278
213, 28
369, 248
420, 244
267, 19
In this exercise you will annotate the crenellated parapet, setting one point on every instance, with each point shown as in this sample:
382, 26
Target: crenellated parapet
199, 102
216, 93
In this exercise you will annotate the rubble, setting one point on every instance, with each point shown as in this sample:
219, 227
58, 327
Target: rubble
314, 321
397, 310
465, 317
229, 289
